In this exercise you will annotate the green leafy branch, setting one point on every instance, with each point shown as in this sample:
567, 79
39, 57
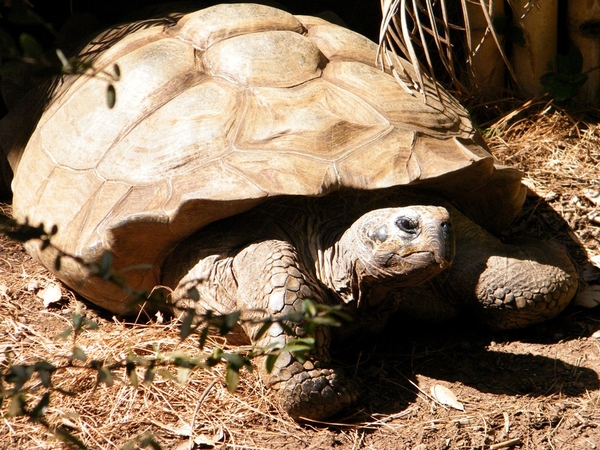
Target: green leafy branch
14, 378
31, 53
564, 83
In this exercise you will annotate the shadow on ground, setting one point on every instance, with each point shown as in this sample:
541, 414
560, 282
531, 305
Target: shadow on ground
542, 361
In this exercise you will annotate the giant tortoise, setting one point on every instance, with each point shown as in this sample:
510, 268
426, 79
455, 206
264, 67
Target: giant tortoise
259, 159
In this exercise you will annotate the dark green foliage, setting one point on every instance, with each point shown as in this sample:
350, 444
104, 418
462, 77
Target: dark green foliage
564, 83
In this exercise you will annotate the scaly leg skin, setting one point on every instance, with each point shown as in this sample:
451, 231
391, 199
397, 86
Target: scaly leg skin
267, 276
505, 286
313, 389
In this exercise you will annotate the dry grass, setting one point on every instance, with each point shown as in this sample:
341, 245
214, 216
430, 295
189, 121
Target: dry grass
535, 389
560, 155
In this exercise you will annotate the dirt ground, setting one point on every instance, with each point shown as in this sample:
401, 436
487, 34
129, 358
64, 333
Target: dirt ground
537, 388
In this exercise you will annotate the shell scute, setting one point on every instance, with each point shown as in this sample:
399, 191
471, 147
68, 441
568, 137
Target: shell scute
432, 118
340, 43
315, 119
269, 58
197, 125
81, 131
205, 27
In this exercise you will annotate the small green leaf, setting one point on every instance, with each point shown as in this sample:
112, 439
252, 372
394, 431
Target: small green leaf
44, 365
17, 405
111, 96
131, 373
166, 375
571, 63
65, 334
62, 58
117, 71
232, 378
40, 409
90, 324
45, 370
193, 294
57, 263
77, 320
183, 374
326, 321
286, 329
31, 47
229, 322
151, 442
149, 375
19, 374
309, 307
105, 376
79, 354
64, 435
271, 360
233, 359
105, 265
203, 337
296, 348
562, 86
263, 329
294, 316
185, 330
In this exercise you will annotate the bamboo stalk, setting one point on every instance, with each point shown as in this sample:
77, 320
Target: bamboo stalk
486, 67
538, 20
584, 31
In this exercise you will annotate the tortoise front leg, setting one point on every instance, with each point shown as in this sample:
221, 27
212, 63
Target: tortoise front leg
270, 277
504, 286
262, 278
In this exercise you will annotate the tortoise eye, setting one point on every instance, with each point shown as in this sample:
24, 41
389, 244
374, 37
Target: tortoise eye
408, 224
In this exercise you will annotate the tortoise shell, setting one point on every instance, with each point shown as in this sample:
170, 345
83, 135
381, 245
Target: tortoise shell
226, 108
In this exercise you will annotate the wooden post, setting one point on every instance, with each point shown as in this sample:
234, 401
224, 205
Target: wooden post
487, 69
584, 31
538, 57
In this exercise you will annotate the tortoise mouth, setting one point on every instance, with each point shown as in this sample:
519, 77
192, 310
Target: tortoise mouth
434, 259
425, 265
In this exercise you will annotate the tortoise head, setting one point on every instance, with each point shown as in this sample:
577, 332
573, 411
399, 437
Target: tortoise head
390, 248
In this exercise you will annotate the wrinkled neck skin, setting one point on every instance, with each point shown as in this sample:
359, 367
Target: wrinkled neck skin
341, 267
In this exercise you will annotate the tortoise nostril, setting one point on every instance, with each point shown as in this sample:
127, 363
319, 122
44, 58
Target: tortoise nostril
446, 228
407, 224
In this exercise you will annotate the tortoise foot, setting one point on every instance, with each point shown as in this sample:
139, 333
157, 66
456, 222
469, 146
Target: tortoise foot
532, 283
315, 393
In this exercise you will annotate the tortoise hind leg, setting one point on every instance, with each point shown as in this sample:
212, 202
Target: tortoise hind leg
270, 277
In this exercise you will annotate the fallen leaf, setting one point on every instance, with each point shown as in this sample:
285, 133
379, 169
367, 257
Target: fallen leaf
50, 294
588, 297
446, 397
